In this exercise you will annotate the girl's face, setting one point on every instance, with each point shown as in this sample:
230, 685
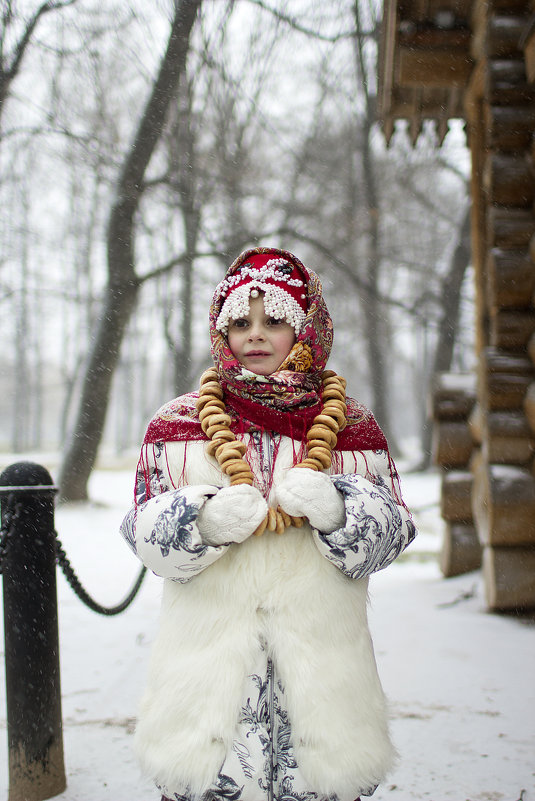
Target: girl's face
259, 342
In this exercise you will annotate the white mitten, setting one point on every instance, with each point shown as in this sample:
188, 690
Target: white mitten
231, 515
306, 493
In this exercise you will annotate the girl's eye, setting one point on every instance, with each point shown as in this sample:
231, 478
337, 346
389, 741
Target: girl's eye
274, 321
240, 323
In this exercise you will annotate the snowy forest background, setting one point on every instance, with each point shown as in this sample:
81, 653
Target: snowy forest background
144, 145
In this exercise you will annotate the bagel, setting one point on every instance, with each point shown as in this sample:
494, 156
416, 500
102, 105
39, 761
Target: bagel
235, 466
327, 421
211, 388
313, 464
271, 519
318, 443
225, 453
337, 413
285, 516
221, 418
209, 374
332, 393
243, 478
209, 409
322, 432
280, 527
261, 528
322, 455
214, 428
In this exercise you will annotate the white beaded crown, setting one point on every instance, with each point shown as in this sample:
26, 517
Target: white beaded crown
270, 279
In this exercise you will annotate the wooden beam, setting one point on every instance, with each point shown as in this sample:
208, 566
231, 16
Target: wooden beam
510, 128
461, 550
510, 228
387, 58
476, 131
511, 329
507, 438
510, 279
431, 107
529, 58
439, 68
506, 83
509, 180
453, 396
504, 378
504, 33
452, 443
503, 504
456, 496
531, 348
529, 406
509, 575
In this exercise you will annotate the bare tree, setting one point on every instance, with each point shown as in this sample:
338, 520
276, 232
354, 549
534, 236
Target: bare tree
240, 159
376, 340
11, 58
123, 281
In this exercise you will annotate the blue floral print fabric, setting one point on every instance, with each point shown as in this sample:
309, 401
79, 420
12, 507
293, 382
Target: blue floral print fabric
164, 533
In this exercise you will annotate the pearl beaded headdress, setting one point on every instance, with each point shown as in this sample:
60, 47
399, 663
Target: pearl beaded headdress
280, 281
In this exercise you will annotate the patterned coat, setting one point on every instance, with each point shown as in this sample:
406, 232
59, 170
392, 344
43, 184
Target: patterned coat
263, 683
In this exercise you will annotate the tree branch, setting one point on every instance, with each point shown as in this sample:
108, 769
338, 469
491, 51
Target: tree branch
175, 261
344, 268
24, 41
293, 23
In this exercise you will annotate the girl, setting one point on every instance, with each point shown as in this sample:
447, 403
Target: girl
263, 683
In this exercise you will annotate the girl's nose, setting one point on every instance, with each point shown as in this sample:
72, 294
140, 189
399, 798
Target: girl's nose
256, 332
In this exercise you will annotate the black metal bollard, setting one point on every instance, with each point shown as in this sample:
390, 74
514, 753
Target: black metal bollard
35, 738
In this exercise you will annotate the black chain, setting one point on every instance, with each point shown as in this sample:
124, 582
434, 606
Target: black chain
74, 581
11, 515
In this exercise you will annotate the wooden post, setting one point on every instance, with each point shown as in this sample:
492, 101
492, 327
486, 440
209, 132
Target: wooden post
35, 741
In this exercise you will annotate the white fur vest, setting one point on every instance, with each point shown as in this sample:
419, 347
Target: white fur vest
281, 591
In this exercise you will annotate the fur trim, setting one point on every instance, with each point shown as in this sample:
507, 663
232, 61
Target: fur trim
281, 590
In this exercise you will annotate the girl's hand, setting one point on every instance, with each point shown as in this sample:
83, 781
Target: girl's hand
308, 493
231, 515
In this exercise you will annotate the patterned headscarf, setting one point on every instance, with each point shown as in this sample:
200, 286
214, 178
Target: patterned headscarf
286, 401
296, 383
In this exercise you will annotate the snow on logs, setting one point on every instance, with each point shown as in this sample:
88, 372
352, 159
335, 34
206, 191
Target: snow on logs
503, 500
453, 402
503, 492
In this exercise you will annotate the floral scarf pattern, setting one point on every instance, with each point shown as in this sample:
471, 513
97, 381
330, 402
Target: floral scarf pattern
286, 401
297, 382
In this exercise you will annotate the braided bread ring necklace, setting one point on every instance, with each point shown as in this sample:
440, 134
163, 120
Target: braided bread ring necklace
229, 451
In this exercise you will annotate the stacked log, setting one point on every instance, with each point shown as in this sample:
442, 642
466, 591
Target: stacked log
501, 117
453, 402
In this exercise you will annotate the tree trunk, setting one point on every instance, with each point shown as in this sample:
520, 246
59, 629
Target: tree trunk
374, 310
123, 283
183, 358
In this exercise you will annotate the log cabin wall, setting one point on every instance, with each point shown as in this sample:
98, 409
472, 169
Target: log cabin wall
453, 401
491, 86
500, 115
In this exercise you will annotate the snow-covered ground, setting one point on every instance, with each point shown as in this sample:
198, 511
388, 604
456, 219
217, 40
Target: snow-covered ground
461, 681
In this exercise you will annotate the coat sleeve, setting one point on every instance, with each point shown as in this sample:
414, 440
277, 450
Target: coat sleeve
161, 527
378, 525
